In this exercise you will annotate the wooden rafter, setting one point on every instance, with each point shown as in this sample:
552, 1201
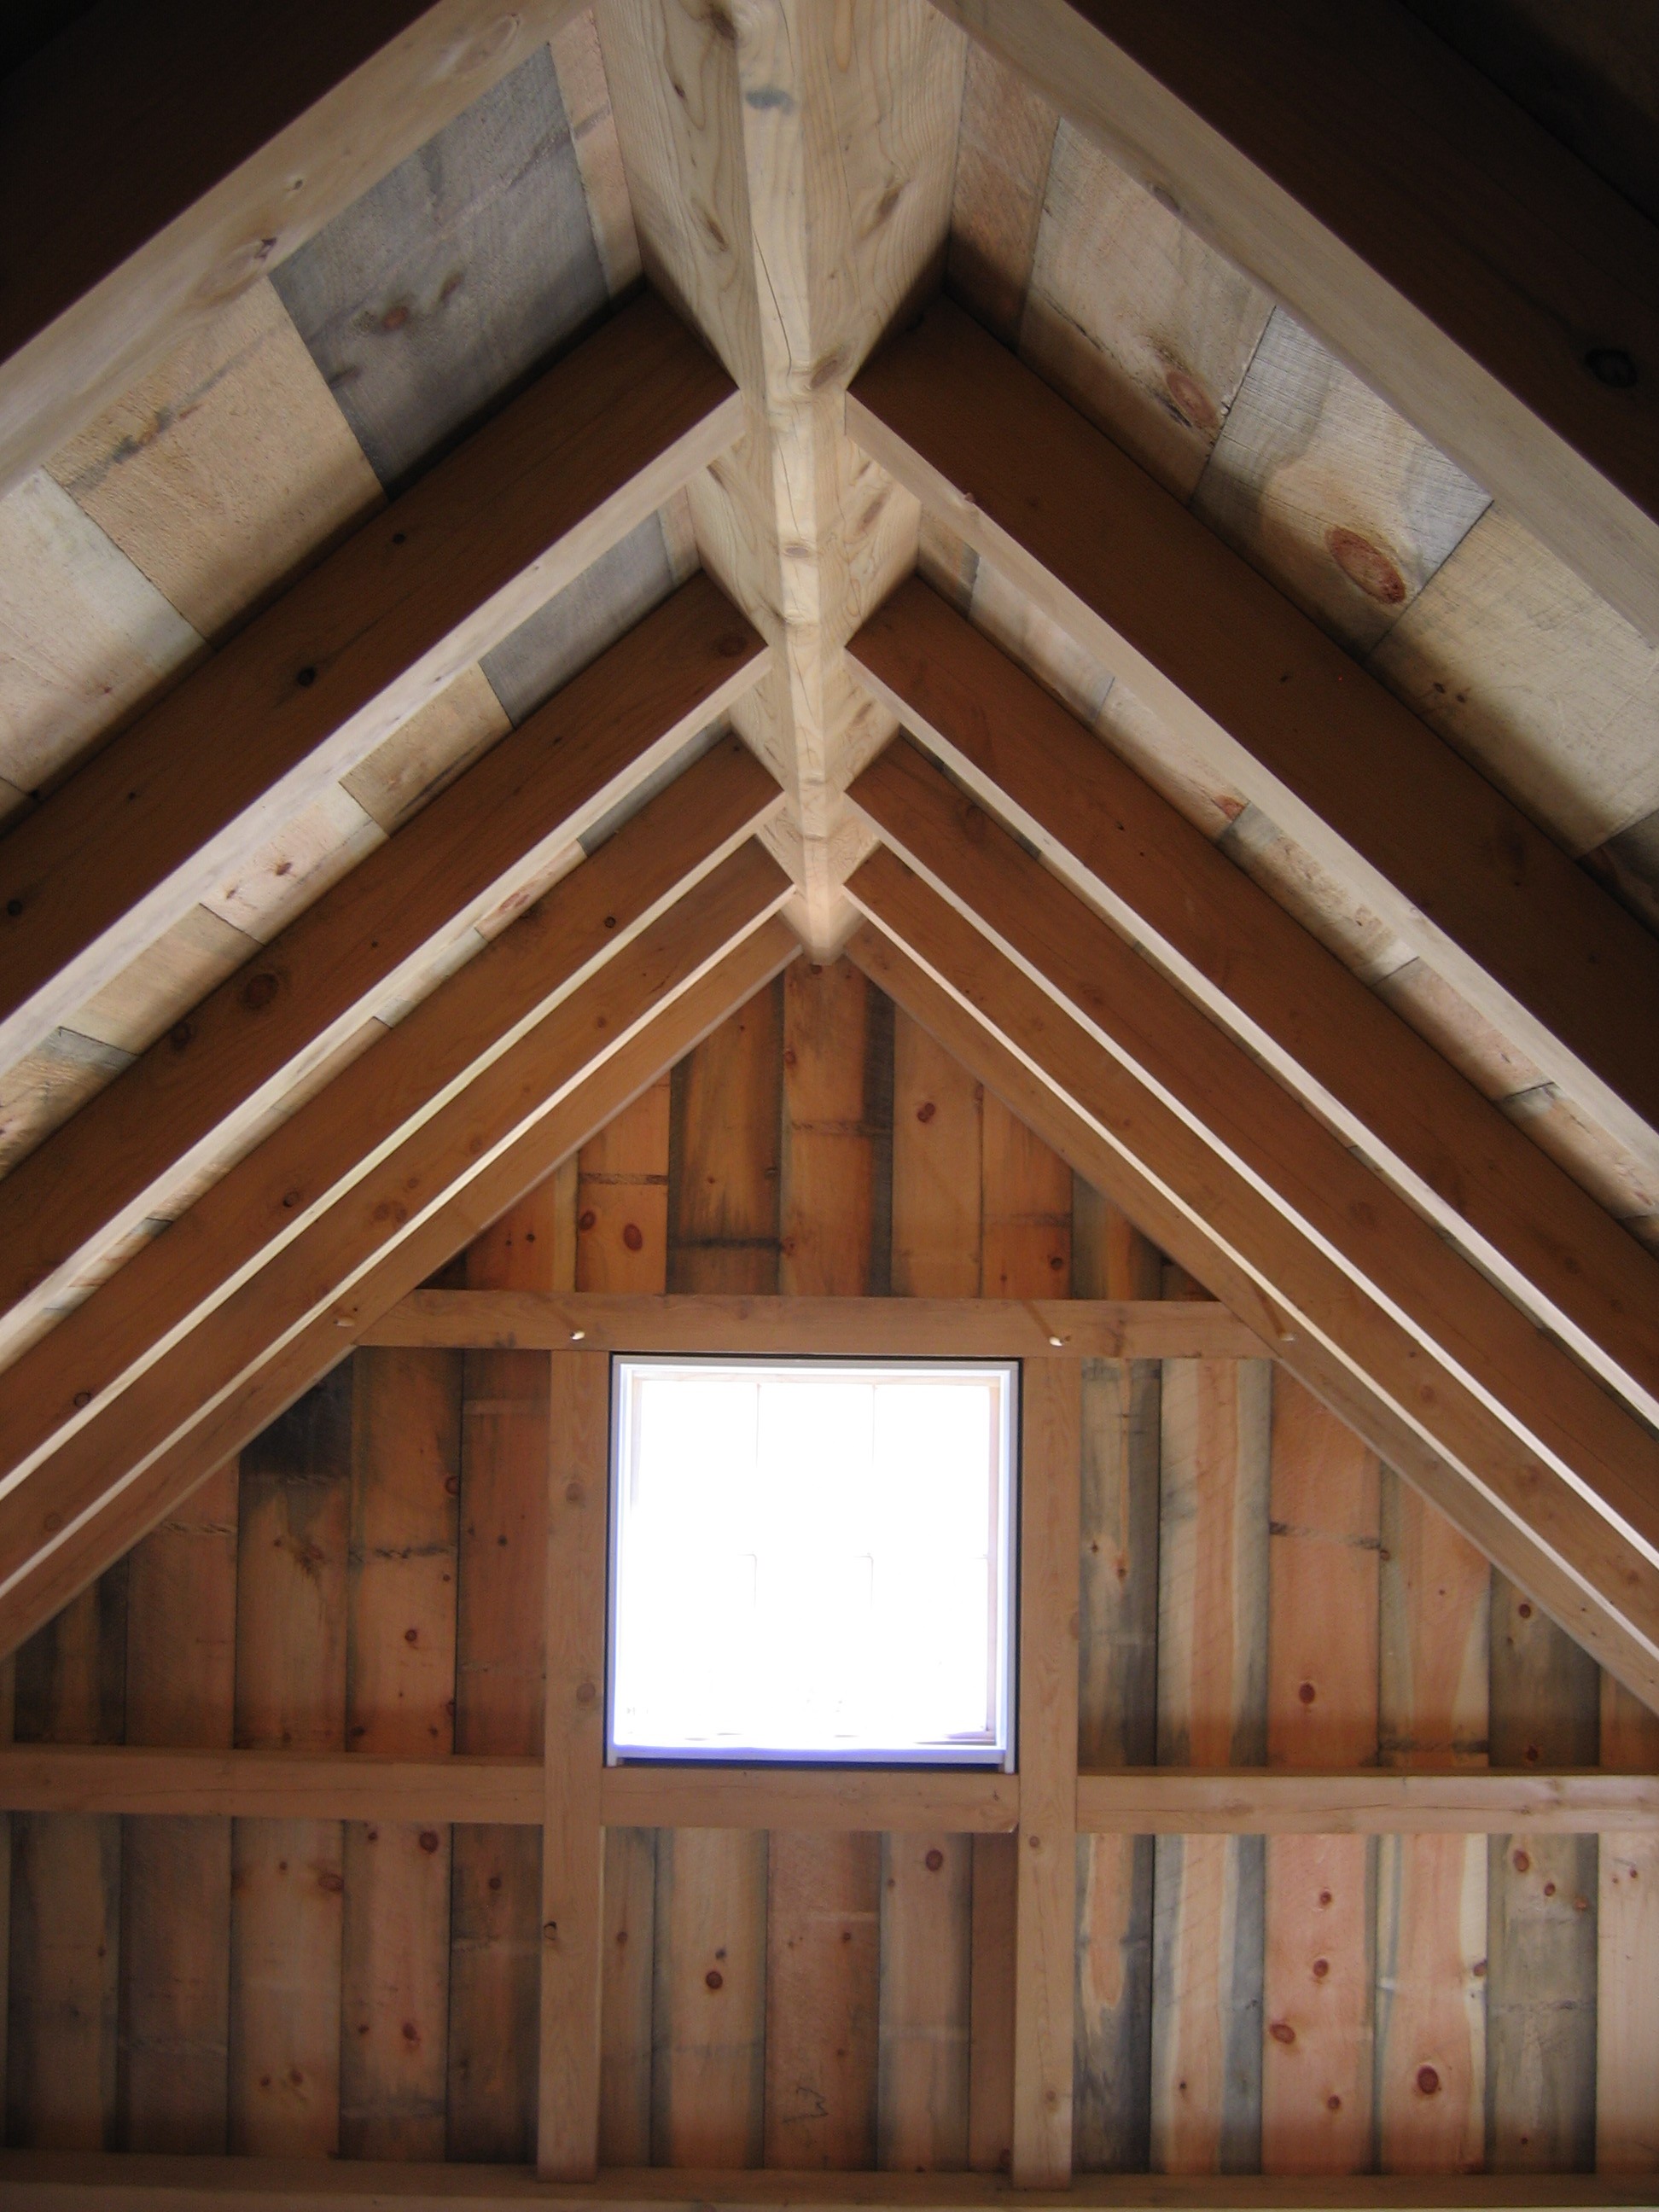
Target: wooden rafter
1455, 868
1115, 1129
1493, 289
292, 1318
1246, 959
136, 836
193, 153
533, 796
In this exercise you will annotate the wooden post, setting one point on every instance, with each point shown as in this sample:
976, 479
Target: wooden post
573, 1839
1627, 1931
1051, 1427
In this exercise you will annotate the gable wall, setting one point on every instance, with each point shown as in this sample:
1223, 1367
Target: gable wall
1253, 1585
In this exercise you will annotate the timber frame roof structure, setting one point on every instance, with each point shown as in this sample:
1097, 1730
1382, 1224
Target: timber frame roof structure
1138, 527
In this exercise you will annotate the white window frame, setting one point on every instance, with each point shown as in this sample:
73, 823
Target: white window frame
999, 1754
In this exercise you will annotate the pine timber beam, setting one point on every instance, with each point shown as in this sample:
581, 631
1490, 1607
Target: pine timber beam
790, 169
1466, 1325
1464, 262
190, 152
839, 1327
1236, 951
291, 1320
151, 821
71, 1386
1145, 1801
1255, 687
535, 795
1113, 1128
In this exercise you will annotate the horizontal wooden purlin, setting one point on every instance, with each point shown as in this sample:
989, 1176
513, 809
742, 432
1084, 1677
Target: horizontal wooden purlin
1129, 1801
137, 2181
1112, 1130
293, 1363
540, 788
848, 1328
181, 1392
158, 816
193, 153
67, 1382
1151, 1801
1470, 266
1559, 1413
1243, 957
1277, 707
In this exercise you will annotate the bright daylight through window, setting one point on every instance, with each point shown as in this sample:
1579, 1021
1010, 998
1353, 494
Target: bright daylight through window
812, 1561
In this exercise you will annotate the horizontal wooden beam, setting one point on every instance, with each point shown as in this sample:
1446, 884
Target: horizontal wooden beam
1464, 261
1151, 1801
543, 787
1560, 1413
69, 1384
190, 153
1258, 689
1115, 1131
1247, 960
847, 1328
169, 1413
133, 2181
156, 818
476, 1195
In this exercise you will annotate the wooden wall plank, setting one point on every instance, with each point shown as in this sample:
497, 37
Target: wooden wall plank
494, 1940
1318, 1974
1117, 1701
1431, 1890
1212, 1699
937, 1106
1627, 1946
66, 1890
175, 1901
1542, 1901
573, 1842
1045, 1957
287, 1876
709, 2061
400, 1700
824, 1896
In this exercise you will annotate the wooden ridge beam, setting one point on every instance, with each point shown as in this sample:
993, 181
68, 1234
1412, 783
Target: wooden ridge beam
1455, 868
1147, 1801
68, 1388
221, 1383
844, 1327
1245, 958
150, 822
540, 789
1113, 1129
1467, 265
190, 154
1556, 1410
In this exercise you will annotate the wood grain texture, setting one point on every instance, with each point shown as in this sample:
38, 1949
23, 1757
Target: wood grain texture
176, 1901
348, 654
287, 1876
1323, 1671
1627, 2090
1003, 141
926, 1981
400, 1695
1536, 948
573, 1843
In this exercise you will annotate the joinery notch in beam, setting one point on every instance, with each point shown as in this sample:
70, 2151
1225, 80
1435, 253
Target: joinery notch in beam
1107, 831
514, 1070
534, 795
191, 153
614, 1038
1558, 1411
1275, 705
156, 818
1113, 1126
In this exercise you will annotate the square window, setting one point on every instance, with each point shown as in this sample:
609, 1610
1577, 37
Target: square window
812, 1561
